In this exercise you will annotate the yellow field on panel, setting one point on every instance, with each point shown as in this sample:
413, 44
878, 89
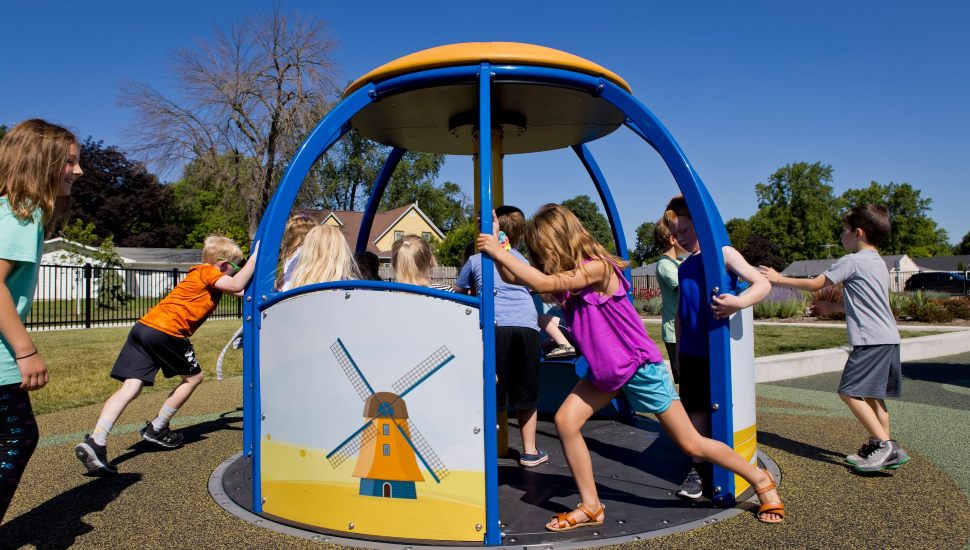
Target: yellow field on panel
300, 485
746, 444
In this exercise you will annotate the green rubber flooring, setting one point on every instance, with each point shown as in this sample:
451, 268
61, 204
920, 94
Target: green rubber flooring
160, 498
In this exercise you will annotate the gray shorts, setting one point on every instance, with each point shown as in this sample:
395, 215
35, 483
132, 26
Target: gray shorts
872, 371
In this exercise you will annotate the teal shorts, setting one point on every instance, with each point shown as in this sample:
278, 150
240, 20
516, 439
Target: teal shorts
650, 390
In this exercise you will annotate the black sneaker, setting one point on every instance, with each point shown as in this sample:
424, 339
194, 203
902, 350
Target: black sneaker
164, 437
94, 457
864, 451
693, 485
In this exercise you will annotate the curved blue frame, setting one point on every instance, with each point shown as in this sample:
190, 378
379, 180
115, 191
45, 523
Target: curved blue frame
710, 231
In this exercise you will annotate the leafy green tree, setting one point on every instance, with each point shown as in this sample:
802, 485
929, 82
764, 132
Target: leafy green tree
451, 251
3, 130
758, 250
964, 245
645, 251
595, 222
798, 211
414, 181
913, 231
206, 204
110, 283
123, 200
738, 230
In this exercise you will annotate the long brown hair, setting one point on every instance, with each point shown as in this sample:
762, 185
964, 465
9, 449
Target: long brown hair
558, 242
32, 157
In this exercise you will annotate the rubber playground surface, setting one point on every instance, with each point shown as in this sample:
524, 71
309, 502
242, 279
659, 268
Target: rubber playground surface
160, 497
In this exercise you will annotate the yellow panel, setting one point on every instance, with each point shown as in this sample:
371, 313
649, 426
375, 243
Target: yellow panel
494, 52
746, 445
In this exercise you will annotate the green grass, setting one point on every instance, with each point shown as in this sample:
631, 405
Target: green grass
79, 360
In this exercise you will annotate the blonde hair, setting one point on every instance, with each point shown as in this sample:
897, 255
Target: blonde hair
293, 235
325, 257
412, 260
217, 247
661, 234
32, 157
558, 242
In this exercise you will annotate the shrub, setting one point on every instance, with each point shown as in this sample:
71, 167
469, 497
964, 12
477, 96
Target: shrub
830, 294
899, 303
781, 303
649, 306
958, 307
928, 310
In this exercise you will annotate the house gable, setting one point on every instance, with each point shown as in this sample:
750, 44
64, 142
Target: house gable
408, 219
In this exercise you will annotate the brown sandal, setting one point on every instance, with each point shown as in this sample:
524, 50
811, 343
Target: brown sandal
776, 508
565, 522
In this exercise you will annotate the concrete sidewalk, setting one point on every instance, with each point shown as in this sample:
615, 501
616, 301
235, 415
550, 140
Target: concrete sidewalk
160, 498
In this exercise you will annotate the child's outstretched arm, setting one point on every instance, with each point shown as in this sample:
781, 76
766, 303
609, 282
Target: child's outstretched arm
237, 283
810, 285
521, 273
725, 305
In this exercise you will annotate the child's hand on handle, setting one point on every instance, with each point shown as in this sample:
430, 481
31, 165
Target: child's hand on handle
488, 244
769, 273
33, 370
725, 305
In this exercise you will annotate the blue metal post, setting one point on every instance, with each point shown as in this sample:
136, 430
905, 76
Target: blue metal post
376, 193
586, 156
712, 237
493, 528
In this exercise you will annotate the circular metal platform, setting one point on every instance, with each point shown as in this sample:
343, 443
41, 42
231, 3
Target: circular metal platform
638, 470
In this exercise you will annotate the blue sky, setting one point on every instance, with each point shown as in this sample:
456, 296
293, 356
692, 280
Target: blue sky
878, 90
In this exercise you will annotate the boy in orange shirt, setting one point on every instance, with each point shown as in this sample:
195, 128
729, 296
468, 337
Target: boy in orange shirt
160, 340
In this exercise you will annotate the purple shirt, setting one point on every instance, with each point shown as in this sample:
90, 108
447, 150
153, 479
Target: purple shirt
609, 333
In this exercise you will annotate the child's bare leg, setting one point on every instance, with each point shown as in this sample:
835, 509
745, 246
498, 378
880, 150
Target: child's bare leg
865, 414
579, 406
528, 422
882, 413
678, 426
184, 390
550, 325
115, 405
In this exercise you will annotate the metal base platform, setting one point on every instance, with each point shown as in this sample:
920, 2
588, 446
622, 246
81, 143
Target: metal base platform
638, 470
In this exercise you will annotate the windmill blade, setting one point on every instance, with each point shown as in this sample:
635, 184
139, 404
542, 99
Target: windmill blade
352, 445
420, 373
424, 452
346, 362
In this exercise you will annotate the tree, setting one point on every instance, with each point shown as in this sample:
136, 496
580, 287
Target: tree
964, 246
3, 130
208, 205
646, 251
798, 211
596, 223
758, 250
451, 251
738, 230
251, 95
123, 200
913, 231
111, 285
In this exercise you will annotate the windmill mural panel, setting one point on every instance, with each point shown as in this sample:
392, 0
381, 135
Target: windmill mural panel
388, 445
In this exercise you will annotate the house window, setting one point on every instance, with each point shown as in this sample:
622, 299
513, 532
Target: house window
387, 429
398, 235
387, 450
426, 235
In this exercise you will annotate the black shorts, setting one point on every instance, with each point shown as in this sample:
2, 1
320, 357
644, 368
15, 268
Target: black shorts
517, 367
695, 382
148, 350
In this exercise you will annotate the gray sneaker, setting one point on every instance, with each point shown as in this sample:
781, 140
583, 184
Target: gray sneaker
164, 437
94, 457
864, 451
693, 485
887, 455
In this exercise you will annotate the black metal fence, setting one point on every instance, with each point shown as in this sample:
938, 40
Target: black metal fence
90, 296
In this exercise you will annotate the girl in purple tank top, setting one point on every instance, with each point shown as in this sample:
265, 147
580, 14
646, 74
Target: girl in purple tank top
588, 282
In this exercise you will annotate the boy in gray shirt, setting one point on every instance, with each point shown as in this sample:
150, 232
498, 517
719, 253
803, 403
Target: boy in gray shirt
872, 372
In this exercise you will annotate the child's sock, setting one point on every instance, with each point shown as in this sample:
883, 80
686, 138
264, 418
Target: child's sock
164, 415
101, 431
